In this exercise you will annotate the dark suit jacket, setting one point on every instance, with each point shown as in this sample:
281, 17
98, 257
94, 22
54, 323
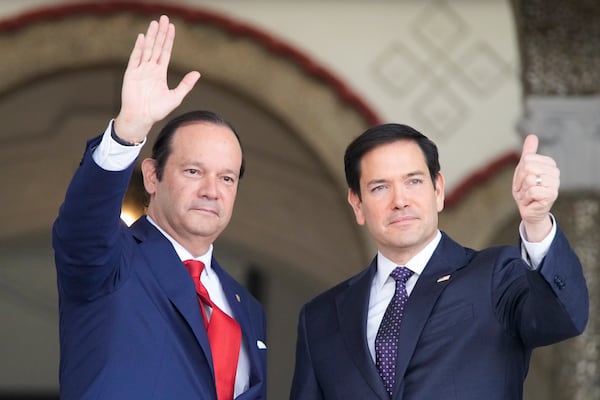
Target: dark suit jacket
466, 338
130, 325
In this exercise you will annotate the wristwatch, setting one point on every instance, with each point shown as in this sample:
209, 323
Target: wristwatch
122, 142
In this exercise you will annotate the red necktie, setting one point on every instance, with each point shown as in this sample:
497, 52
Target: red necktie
224, 335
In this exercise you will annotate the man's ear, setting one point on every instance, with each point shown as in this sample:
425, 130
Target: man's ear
149, 175
356, 205
440, 185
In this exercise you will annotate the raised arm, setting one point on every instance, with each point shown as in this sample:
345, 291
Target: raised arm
535, 188
146, 97
86, 236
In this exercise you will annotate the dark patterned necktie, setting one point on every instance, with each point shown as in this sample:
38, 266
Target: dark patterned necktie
386, 341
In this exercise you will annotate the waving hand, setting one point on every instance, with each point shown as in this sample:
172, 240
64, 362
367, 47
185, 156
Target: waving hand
145, 97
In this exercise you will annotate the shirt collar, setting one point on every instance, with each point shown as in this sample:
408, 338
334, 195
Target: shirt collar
416, 264
184, 254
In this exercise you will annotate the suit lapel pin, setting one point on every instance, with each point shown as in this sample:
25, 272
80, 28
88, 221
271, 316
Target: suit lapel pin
443, 278
237, 297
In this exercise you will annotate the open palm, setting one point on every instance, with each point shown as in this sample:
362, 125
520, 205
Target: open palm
146, 97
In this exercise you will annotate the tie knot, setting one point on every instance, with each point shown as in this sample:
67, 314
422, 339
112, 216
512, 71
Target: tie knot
194, 267
401, 274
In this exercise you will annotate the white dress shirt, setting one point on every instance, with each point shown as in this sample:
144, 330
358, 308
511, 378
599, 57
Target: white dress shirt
112, 156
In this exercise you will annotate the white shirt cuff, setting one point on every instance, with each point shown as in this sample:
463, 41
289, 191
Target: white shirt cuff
112, 156
532, 252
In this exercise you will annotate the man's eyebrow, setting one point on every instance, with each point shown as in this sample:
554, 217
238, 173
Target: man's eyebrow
415, 173
376, 181
408, 175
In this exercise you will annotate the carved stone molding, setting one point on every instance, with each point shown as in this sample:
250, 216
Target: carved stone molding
569, 131
560, 46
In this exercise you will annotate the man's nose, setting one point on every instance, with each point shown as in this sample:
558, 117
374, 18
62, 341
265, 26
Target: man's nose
208, 187
400, 198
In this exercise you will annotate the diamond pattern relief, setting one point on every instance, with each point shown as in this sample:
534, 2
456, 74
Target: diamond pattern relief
398, 69
441, 109
483, 69
444, 70
439, 27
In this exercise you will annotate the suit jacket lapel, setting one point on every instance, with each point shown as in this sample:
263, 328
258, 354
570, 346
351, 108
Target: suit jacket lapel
446, 259
173, 278
352, 306
235, 296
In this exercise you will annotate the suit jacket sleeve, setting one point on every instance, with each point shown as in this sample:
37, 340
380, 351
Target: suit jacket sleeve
86, 233
547, 305
304, 384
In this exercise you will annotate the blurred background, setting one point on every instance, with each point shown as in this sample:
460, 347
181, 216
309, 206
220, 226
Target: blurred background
299, 80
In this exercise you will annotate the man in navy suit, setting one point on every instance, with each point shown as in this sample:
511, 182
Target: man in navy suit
466, 321
131, 323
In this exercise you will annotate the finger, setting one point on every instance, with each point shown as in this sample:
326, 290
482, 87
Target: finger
136, 54
530, 145
186, 85
167, 47
542, 195
149, 42
548, 181
163, 28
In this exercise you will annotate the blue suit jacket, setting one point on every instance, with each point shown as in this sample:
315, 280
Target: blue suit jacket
466, 338
130, 325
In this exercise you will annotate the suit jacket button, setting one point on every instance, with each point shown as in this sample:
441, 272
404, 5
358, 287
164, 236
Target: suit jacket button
559, 282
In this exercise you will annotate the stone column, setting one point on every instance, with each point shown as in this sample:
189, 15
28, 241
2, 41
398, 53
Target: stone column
560, 54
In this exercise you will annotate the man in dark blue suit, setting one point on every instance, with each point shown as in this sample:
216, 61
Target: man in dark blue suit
430, 319
133, 322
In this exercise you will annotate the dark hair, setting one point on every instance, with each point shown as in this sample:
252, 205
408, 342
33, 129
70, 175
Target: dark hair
384, 134
162, 146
